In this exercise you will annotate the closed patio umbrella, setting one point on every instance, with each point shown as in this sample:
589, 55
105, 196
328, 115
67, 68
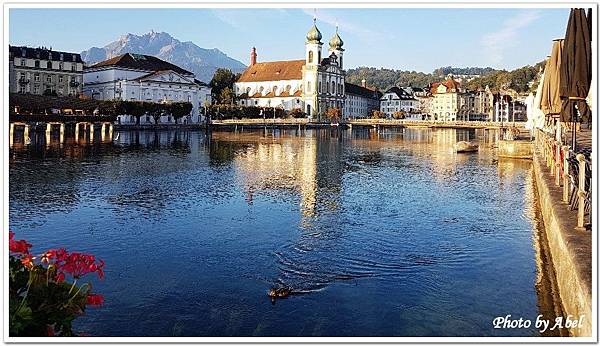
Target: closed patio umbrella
551, 103
576, 70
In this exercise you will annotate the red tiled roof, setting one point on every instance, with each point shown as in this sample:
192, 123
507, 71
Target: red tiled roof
449, 83
274, 70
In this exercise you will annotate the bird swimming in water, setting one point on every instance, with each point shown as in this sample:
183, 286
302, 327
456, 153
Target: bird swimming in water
281, 292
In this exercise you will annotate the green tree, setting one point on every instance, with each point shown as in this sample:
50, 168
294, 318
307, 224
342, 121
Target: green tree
156, 110
223, 78
180, 109
226, 96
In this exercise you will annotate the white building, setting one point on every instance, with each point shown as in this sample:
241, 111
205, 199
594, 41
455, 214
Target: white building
360, 100
397, 99
446, 101
313, 84
42, 71
138, 77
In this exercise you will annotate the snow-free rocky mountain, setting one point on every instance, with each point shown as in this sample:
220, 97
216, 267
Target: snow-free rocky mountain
203, 62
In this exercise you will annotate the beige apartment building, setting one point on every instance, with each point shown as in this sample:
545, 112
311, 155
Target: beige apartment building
42, 71
445, 100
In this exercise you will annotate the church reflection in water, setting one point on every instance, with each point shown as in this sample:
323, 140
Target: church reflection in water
285, 163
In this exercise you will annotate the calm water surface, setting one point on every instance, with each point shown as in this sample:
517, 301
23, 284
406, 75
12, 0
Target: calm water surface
388, 233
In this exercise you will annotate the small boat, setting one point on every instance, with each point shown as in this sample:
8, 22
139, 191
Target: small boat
466, 147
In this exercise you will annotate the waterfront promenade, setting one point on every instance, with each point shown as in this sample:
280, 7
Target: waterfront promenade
287, 122
563, 181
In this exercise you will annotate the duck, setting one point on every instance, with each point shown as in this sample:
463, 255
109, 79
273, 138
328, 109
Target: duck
281, 292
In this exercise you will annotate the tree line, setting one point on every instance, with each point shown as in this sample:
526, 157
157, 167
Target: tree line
521, 79
138, 109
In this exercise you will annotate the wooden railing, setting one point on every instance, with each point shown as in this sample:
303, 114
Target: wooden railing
433, 123
260, 121
572, 171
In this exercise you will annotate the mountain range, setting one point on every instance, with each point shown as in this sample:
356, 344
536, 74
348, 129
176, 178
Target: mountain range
201, 61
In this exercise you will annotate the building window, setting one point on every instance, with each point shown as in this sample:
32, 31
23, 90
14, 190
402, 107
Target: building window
60, 79
310, 57
73, 67
308, 87
60, 65
49, 79
22, 62
36, 77
22, 89
37, 63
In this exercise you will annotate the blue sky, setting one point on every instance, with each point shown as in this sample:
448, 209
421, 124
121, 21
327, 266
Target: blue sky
407, 39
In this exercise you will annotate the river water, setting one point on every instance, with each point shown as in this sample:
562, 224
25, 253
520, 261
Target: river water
378, 233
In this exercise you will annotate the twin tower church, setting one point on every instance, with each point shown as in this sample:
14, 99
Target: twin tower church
313, 84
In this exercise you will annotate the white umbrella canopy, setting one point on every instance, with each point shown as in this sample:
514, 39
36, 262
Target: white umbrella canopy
537, 117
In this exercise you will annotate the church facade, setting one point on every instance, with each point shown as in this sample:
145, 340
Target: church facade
313, 84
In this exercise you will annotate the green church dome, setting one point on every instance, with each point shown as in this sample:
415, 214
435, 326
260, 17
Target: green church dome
314, 35
336, 41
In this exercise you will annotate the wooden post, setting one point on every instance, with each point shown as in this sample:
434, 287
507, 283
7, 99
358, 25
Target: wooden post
48, 132
566, 181
557, 163
103, 132
551, 156
11, 134
26, 134
581, 191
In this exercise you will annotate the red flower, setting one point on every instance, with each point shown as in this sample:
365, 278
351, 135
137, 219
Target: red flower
60, 277
57, 255
94, 299
79, 264
27, 261
18, 246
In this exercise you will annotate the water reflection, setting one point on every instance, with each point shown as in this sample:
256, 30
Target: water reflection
403, 234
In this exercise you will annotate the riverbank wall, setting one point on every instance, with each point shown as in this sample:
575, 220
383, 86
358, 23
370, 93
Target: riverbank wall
570, 248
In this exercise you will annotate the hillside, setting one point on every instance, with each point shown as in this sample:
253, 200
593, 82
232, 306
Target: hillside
520, 79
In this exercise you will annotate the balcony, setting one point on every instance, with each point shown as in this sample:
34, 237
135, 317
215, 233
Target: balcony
23, 81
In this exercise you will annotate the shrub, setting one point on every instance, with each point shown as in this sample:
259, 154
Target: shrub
297, 113
333, 114
377, 115
399, 115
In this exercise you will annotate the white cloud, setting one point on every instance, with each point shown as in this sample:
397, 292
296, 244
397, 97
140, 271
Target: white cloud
360, 31
239, 19
228, 17
496, 44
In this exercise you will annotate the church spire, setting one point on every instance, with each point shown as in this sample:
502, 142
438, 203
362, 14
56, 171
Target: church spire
314, 35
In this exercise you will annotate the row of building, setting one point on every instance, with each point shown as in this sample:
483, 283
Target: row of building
135, 77
312, 85
317, 82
